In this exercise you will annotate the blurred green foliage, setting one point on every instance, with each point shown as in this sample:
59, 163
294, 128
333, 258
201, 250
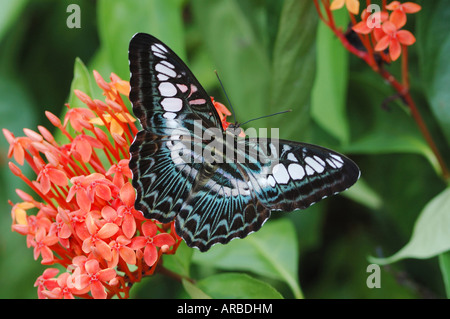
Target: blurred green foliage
272, 55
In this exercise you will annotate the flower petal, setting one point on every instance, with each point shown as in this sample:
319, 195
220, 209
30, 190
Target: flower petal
395, 49
92, 266
163, 239
353, 6
398, 18
106, 274
84, 149
109, 213
103, 249
129, 225
149, 229
393, 5
138, 242
405, 37
108, 230
57, 177
389, 27
362, 28
411, 7
83, 200
127, 194
337, 4
382, 44
150, 255
98, 290
128, 255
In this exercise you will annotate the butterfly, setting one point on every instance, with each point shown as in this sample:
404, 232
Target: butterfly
216, 185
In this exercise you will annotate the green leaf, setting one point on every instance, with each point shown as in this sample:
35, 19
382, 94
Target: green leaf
362, 193
381, 131
81, 81
270, 252
431, 234
119, 20
293, 68
237, 286
329, 95
194, 291
239, 55
433, 41
10, 12
181, 261
444, 263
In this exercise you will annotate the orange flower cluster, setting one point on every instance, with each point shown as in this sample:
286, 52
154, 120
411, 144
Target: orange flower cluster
386, 28
84, 219
380, 27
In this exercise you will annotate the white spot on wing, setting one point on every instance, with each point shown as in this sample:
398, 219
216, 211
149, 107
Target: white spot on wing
331, 163
296, 171
171, 104
309, 170
169, 115
167, 89
165, 70
280, 173
292, 157
337, 157
162, 77
337, 163
156, 49
271, 181
314, 164
161, 47
168, 64
159, 55
319, 160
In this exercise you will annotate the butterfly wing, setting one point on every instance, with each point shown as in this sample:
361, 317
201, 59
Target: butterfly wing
221, 207
169, 102
233, 198
164, 93
287, 175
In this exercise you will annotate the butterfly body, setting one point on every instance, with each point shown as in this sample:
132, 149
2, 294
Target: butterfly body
214, 183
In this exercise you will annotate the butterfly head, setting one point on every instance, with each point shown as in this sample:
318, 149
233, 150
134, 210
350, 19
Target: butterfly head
235, 129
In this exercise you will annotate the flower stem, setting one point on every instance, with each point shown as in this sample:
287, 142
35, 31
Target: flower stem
401, 88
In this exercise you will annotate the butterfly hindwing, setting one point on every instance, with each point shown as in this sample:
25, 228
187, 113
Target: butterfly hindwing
289, 175
222, 207
161, 177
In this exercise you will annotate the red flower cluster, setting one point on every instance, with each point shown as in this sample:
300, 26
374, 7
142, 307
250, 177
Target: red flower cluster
386, 28
85, 219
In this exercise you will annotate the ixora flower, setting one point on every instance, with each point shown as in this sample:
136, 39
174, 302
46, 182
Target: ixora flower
83, 218
399, 11
394, 38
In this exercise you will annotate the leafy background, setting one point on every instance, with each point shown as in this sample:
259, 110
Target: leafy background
272, 55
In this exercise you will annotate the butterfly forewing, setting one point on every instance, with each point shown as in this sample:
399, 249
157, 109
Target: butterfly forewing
164, 92
214, 193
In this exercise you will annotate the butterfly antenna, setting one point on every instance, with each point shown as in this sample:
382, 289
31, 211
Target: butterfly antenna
266, 116
225, 92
